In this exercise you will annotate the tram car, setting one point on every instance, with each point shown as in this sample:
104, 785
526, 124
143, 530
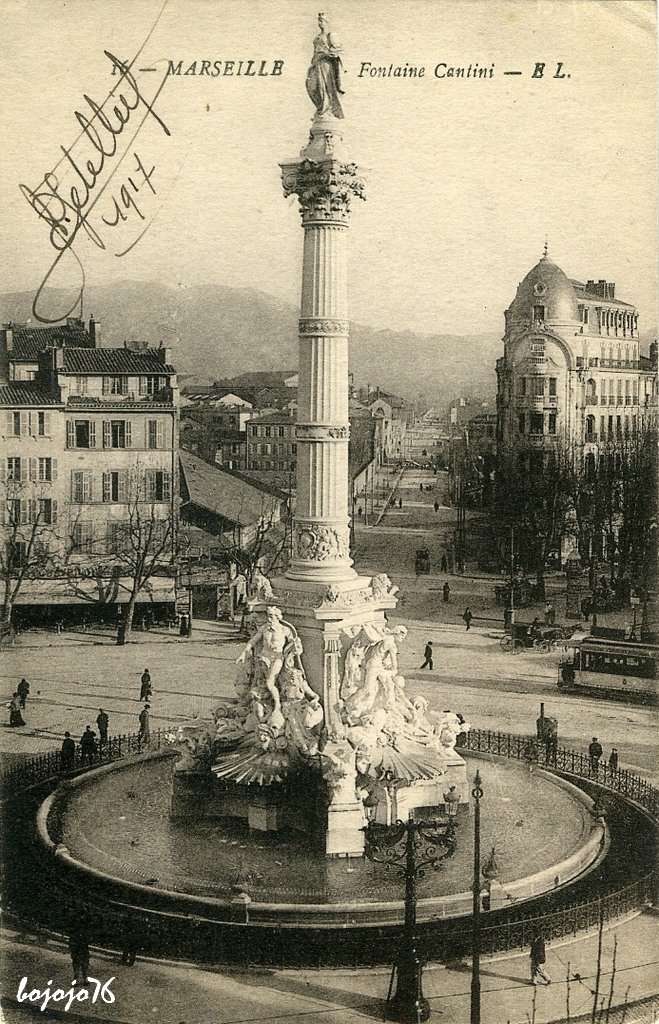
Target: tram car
614, 669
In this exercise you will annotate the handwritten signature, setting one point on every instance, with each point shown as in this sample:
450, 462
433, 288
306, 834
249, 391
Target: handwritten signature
71, 995
66, 208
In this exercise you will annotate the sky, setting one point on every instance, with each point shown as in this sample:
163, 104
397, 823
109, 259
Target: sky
465, 177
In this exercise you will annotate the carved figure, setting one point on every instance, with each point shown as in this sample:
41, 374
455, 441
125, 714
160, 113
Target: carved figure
382, 586
380, 669
301, 706
272, 636
353, 668
324, 74
260, 590
448, 728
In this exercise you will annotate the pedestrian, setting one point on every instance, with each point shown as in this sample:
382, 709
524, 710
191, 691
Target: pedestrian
552, 615
467, 616
15, 716
436, 506
400, 503
144, 734
420, 487
87, 746
79, 950
538, 957
427, 656
547, 614
444, 564
613, 760
145, 688
360, 511
102, 721
23, 690
67, 757
594, 753
585, 608
446, 592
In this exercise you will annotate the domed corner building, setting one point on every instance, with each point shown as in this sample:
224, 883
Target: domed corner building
571, 375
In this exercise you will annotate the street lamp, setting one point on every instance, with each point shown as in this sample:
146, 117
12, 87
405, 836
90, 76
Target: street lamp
412, 848
475, 1017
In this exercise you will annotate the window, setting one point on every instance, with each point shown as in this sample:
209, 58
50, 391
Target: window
17, 554
552, 387
42, 424
46, 470
14, 469
80, 385
115, 537
15, 423
586, 313
47, 511
80, 434
536, 422
116, 433
538, 312
14, 511
293, 449
268, 431
538, 386
521, 422
552, 422
158, 485
81, 487
115, 385
155, 434
83, 538
114, 486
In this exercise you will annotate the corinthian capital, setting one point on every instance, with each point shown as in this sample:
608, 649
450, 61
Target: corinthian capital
325, 190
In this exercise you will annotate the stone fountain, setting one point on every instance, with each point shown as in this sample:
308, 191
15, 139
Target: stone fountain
321, 717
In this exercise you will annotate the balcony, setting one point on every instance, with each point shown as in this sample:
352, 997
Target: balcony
603, 400
591, 399
590, 438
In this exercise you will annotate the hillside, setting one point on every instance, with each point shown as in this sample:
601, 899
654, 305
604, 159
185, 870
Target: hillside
216, 332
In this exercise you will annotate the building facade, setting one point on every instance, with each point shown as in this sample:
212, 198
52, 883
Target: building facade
572, 374
90, 474
271, 443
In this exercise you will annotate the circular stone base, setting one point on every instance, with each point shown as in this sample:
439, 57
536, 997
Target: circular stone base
116, 822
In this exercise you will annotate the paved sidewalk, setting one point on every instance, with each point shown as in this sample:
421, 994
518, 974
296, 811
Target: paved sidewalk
170, 994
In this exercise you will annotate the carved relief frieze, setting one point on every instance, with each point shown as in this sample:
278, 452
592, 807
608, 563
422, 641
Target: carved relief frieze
316, 542
320, 432
320, 326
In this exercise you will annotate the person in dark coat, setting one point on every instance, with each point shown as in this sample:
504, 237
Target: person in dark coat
467, 616
87, 746
79, 950
594, 753
427, 655
538, 957
15, 716
67, 754
145, 732
145, 688
446, 591
23, 690
436, 506
102, 721
613, 760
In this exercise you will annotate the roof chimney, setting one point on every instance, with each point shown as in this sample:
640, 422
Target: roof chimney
95, 331
8, 333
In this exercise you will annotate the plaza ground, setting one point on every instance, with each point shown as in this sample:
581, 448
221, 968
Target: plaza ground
72, 675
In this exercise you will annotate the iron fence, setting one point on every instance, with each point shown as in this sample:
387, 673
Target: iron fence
568, 762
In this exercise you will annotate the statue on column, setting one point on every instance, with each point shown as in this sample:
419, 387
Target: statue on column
324, 74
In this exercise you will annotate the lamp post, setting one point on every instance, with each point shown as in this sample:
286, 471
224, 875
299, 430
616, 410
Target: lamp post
412, 848
475, 1017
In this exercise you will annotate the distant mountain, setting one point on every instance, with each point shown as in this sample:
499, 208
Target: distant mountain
217, 332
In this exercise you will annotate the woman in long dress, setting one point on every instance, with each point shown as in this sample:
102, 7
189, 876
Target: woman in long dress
324, 75
15, 716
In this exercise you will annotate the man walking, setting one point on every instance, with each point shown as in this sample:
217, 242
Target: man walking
594, 753
427, 655
538, 957
22, 690
87, 746
613, 760
145, 688
102, 721
144, 734
67, 754
446, 592
467, 616
79, 950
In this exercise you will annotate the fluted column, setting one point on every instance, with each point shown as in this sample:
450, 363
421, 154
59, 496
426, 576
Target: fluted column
321, 524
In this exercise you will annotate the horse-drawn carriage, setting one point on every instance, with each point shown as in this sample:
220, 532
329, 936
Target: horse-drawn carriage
534, 635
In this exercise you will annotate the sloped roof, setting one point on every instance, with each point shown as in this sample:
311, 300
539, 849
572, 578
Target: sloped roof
115, 360
28, 342
27, 392
223, 493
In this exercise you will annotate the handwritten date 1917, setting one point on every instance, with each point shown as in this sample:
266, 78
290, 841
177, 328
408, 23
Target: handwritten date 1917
66, 207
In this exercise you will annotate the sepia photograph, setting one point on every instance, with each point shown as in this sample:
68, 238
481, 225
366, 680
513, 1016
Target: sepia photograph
329, 414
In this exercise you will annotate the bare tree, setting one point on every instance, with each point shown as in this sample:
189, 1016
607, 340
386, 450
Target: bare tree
29, 536
144, 543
